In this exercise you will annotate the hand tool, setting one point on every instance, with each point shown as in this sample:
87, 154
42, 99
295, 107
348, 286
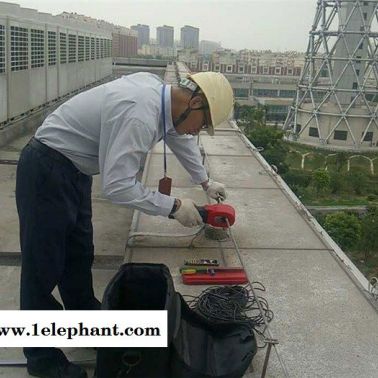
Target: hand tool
187, 269
217, 215
202, 262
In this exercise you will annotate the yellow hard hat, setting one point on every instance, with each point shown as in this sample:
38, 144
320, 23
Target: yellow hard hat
219, 96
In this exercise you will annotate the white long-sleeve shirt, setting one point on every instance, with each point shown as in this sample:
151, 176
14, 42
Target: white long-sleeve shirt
109, 130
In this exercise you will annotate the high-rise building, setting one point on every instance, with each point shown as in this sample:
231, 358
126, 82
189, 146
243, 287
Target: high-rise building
337, 97
189, 37
164, 35
124, 43
208, 47
143, 34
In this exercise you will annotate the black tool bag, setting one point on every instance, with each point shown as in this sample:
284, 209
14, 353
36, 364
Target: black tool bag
197, 348
140, 287
202, 349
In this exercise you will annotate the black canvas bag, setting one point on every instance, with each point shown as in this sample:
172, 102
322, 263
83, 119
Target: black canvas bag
202, 349
139, 287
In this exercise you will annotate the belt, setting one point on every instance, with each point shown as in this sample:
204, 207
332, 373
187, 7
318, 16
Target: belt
50, 152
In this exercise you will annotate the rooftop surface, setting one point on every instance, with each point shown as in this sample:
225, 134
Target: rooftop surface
324, 319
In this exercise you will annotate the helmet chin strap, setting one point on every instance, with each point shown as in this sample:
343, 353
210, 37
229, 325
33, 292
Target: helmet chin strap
183, 116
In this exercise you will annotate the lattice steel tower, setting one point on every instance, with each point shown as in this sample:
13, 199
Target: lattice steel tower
337, 96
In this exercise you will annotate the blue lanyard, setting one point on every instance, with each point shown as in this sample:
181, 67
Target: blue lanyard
164, 130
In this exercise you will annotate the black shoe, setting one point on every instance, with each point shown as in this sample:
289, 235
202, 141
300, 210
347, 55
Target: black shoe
57, 369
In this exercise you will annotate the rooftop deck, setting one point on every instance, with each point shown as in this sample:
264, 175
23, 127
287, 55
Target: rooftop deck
325, 320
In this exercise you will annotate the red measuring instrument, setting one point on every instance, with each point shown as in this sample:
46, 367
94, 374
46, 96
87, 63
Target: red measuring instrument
217, 215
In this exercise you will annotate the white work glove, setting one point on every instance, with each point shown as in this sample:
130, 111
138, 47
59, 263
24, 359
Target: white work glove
187, 214
216, 190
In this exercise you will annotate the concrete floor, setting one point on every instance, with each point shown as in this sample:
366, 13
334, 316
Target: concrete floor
324, 323
325, 326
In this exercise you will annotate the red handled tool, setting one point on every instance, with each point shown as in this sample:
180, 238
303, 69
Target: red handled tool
216, 215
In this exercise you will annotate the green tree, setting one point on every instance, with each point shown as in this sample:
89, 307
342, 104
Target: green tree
337, 182
250, 117
341, 160
265, 137
276, 156
369, 237
358, 181
344, 228
320, 180
274, 150
297, 178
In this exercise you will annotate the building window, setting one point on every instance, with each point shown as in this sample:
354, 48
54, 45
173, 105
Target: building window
290, 71
241, 69
254, 69
368, 136
37, 38
357, 72
265, 70
19, 48
277, 70
63, 48
2, 49
71, 48
216, 67
229, 68
51, 44
110, 48
355, 85
241, 92
365, 16
313, 132
87, 48
286, 93
205, 66
265, 92
93, 48
98, 52
340, 135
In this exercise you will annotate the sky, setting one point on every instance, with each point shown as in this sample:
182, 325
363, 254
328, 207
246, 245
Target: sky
277, 25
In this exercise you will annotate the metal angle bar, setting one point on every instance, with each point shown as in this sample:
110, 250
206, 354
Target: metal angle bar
336, 114
350, 129
341, 90
307, 123
326, 97
334, 128
351, 14
346, 32
331, 16
373, 60
366, 130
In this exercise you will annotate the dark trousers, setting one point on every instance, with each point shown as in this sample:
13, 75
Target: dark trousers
54, 206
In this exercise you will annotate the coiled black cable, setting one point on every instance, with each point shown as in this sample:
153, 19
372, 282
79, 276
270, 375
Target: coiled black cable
225, 304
